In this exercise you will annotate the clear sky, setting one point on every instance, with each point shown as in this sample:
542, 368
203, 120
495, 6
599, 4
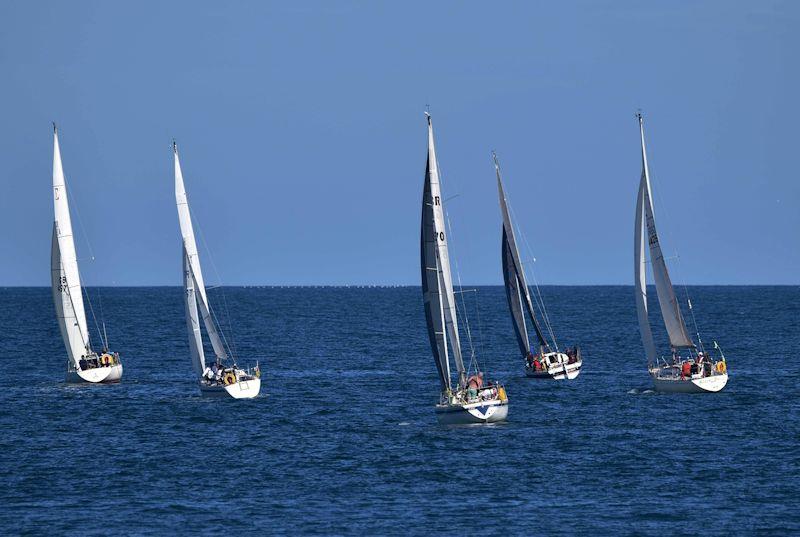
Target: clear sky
303, 142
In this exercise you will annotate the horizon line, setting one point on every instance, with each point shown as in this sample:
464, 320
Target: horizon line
390, 285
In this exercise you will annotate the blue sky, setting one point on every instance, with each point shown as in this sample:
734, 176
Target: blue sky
303, 140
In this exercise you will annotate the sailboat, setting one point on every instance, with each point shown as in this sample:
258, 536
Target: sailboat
691, 368
83, 363
469, 400
223, 377
549, 362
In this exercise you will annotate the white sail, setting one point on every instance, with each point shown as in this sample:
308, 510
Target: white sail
67, 293
640, 276
190, 253
512, 269
438, 287
670, 309
192, 319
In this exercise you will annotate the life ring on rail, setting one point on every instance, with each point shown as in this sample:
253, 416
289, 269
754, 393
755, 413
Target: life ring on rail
258, 372
229, 378
721, 367
106, 360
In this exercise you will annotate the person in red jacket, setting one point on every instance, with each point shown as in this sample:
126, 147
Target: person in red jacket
686, 370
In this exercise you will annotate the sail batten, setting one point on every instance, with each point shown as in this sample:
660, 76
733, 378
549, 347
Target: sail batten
437, 280
514, 276
668, 302
66, 282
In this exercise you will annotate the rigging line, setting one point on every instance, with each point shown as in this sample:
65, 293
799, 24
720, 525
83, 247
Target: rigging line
480, 327
214, 321
231, 347
539, 299
473, 358
84, 289
80, 220
461, 291
678, 272
104, 336
94, 317
538, 295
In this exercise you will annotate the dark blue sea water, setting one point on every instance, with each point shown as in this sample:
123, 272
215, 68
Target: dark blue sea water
344, 440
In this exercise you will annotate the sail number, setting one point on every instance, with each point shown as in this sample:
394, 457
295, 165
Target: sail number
62, 284
441, 236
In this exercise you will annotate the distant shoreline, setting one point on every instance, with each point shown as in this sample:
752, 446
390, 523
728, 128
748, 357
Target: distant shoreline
390, 286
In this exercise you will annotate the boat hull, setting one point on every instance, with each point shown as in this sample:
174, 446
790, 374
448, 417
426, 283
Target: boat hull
568, 372
243, 389
472, 413
98, 375
555, 366
711, 384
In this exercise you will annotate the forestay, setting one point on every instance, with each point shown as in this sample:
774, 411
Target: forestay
193, 279
66, 281
516, 285
437, 281
670, 309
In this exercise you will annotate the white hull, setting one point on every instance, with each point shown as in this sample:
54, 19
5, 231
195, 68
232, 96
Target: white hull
558, 367
465, 414
105, 375
558, 372
710, 384
243, 389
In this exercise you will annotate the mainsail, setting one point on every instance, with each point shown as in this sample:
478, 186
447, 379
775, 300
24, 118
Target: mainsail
437, 281
66, 281
670, 309
516, 286
195, 291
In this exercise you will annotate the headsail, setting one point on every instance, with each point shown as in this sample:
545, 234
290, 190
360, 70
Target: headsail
192, 263
516, 285
192, 319
670, 309
437, 281
640, 276
514, 297
66, 281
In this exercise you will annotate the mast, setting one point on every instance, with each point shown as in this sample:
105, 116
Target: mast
437, 280
66, 282
192, 263
670, 309
517, 291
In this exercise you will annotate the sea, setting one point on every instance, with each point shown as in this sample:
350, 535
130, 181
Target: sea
343, 439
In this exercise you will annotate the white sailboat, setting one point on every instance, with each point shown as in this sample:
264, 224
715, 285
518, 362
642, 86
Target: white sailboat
549, 362
469, 400
690, 368
223, 377
83, 363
